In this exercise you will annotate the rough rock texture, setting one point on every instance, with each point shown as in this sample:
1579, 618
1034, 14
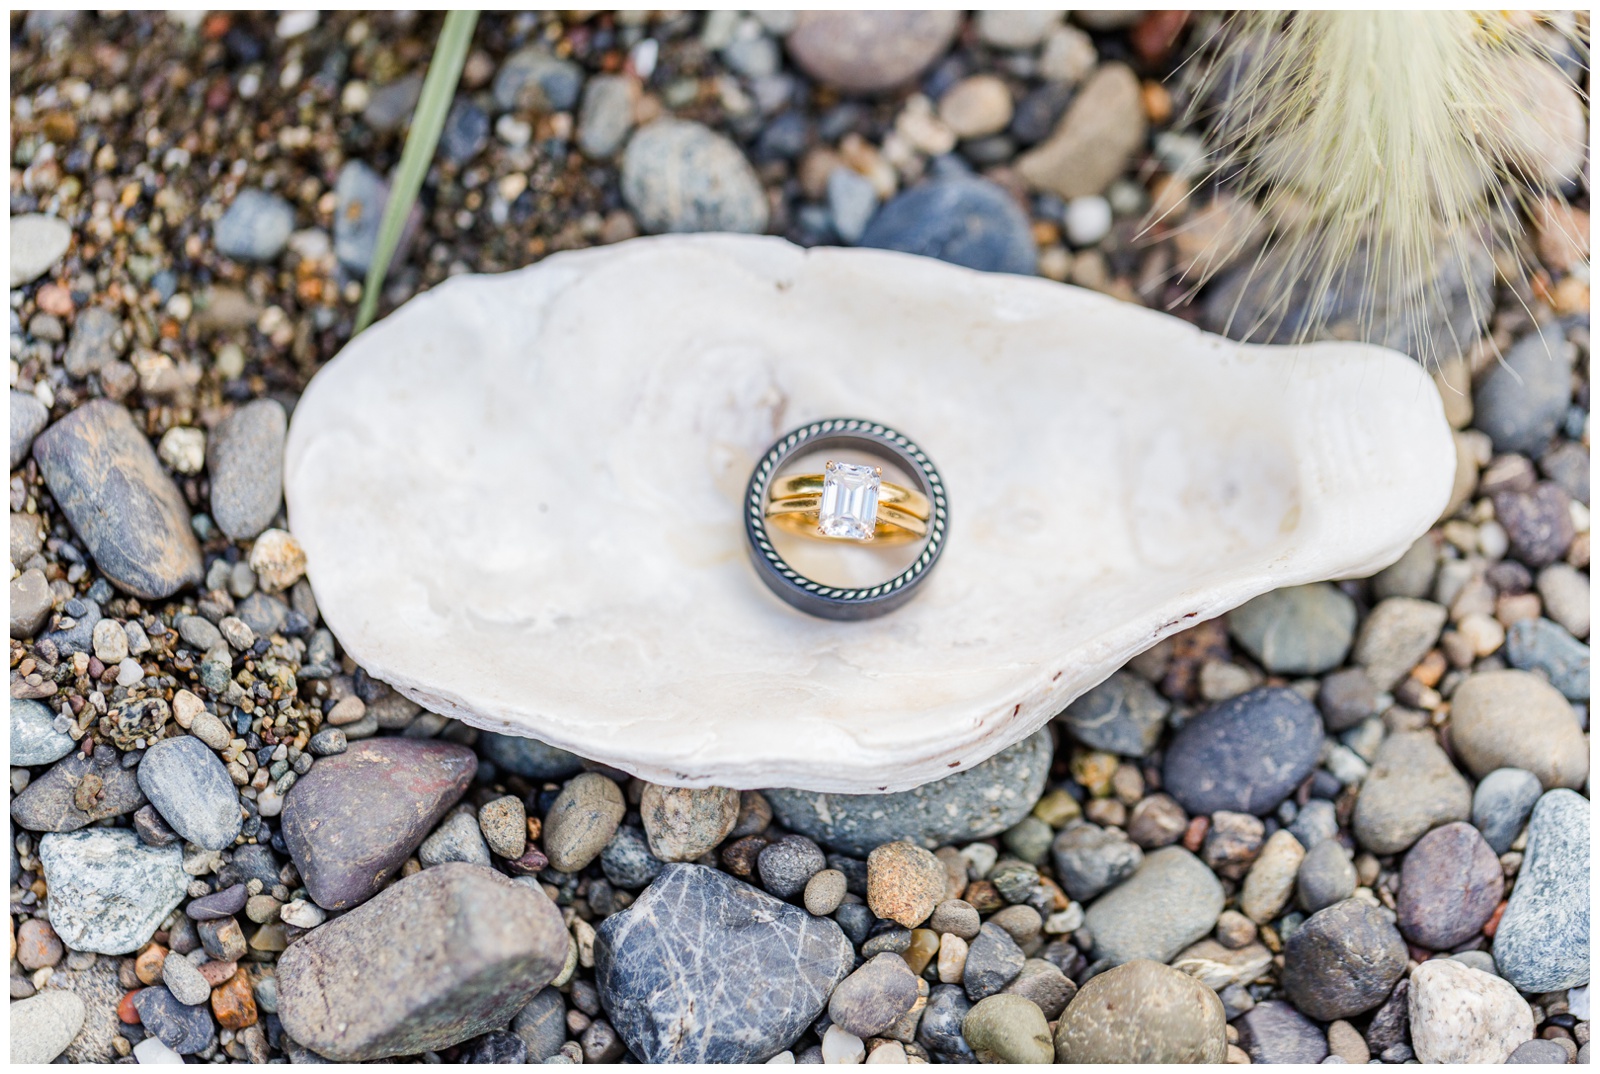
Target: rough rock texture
1542, 941
904, 883
1342, 961
50, 803
704, 968
1397, 633
582, 820
354, 818
870, 51
244, 456
182, 1028
1463, 1015
101, 991
1008, 1029
108, 891
434, 960
1274, 1032
985, 800
43, 1025
679, 176
1244, 755
683, 823
1512, 719
107, 480
190, 788
1450, 884
874, 997
1142, 1012
1300, 630
1411, 788
1123, 715
34, 739
1168, 904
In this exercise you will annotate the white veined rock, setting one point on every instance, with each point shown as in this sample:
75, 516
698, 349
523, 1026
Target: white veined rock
519, 498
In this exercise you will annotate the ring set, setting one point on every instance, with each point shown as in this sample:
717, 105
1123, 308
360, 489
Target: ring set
847, 502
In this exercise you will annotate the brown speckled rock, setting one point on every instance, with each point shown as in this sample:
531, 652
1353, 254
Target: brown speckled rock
870, 51
904, 883
440, 957
1142, 1012
1450, 883
683, 823
130, 516
352, 821
1514, 719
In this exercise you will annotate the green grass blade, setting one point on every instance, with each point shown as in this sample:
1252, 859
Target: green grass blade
438, 91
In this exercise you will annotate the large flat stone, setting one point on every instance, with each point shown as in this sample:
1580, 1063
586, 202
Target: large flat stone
109, 891
440, 957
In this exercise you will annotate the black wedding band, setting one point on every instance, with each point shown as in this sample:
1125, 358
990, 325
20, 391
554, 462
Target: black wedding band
833, 602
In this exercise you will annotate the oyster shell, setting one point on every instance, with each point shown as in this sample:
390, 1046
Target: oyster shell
519, 498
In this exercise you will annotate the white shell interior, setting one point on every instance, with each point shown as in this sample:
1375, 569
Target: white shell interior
520, 499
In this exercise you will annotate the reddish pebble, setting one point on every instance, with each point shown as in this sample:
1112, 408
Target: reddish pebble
531, 862
1195, 834
125, 1009
216, 973
1494, 921
1156, 33
234, 1003
55, 299
147, 967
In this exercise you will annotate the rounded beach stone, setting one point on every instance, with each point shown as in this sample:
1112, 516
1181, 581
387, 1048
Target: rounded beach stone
870, 51
993, 961
874, 997
1411, 788
1271, 879
1398, 632
904, 883
191, 789
528, 756
457, 839
1097, 136
1343, 961
1169, 903
1462, 1015
1089, 859
627, 861
1326, 876
438, 958
44, 1024
965, 221
824, 892
1244, 755
1008, 1029
582, 820
1513, 719
681, 176
787, 865
955, 916
121, 502
676, 971
38, 241
1522, 399
244, 456
1450, 884
984, 800
1142, 1012
256, 226
1302, 630
1123, 715
1274, 1032
682, 823
1542, 941
352, 821
34, 739
1501, 804
504, 823
28, 418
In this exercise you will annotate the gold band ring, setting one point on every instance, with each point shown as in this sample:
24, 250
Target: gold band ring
848, 502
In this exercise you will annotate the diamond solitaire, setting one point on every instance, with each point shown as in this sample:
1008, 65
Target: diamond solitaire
849, 507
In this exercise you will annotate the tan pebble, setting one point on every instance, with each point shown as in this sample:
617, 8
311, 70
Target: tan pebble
278, 561
952, 958
904, 883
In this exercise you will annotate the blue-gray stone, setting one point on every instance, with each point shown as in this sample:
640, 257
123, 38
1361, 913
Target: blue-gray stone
1539, 1050
1122, 715
1301, 630
220, 904
121, 502
78, 638
851, 201
1171, 901
542, 1025
50, 802
788, 864
1246, 754
28, 419
965, 221
706, 969
1542, 942
528, 757
1501, 804
244, 456
679, 176
34, 738
182, 1028
1274, 1032
108, 891
361, 194
1521, 402
94, 342
1316, 821
940, 1028
606, 116
1546, 646
466, 132
256, 226
190, 788
532, 78
993, 961
1089, 859
985, 800
1326, 876
392, 104
627, 861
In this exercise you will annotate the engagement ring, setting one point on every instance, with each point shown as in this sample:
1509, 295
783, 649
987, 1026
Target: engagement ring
847, 501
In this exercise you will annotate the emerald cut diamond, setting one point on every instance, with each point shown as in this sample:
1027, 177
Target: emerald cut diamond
849, 507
